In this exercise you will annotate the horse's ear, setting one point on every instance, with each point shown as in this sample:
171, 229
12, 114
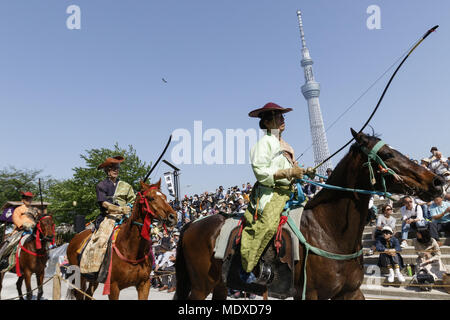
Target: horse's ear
361, 138
159, 184
144, 186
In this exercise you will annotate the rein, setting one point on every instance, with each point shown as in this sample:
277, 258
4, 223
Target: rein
285, 217
372, 156
292, 203
107, 285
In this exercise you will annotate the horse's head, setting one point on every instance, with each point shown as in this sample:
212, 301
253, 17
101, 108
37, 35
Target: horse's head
45, 228
401, 175
155, 203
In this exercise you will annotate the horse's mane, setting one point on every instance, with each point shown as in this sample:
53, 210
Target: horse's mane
339, 173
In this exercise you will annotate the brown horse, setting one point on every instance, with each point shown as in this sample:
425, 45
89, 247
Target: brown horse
33, 256
333, 221
131, 261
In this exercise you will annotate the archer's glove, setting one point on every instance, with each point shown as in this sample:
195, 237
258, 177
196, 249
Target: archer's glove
28, 226
113, 209
311, 173
295, 172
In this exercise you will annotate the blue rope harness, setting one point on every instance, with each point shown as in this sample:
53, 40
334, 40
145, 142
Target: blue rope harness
126, 216
301, 200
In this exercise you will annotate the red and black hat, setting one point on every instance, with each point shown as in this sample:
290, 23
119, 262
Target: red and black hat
27, 194
268, 107
111, 161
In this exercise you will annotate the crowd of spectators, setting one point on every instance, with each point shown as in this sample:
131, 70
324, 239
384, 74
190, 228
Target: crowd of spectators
428, 221
234, 200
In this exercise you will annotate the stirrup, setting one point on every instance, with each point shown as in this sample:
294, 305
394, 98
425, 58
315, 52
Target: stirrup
265, 274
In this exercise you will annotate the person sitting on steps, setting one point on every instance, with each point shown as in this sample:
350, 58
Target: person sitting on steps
383, 219
389, 248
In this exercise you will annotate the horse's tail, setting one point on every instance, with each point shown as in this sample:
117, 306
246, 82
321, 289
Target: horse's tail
183, 287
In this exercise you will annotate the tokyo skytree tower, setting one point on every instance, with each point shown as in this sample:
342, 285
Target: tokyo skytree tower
311, 92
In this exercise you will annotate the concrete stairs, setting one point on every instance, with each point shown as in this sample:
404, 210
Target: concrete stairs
375, 285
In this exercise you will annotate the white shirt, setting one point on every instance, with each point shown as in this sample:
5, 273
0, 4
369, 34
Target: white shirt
164, 258
437, 166
371, 202
406, 214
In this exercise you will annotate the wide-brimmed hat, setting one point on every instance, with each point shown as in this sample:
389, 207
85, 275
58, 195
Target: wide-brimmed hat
387, 228
27, 194
268, 107
425, 160
110, 161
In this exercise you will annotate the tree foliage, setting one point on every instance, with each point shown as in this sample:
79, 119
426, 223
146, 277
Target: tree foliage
13, 180
76, 196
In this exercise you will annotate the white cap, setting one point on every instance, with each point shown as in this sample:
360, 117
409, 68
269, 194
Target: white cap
387, 228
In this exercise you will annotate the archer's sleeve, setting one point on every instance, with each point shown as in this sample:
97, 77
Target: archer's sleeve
101, 194
261, 158
16, 217
131, 197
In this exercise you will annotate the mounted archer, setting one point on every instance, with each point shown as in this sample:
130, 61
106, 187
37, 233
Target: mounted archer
24, 219
113, 197
275, 168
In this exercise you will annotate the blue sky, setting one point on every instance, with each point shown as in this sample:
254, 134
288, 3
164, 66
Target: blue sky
65, 91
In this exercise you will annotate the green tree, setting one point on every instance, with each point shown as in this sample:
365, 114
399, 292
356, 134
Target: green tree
76, 195
13, 180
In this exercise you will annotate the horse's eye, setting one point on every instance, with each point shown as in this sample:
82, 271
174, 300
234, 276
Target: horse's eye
388, 156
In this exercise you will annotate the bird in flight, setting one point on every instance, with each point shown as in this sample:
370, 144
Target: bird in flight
164, 80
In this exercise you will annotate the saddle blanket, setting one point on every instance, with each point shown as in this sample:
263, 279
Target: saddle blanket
12, 254
231, 223
94, 253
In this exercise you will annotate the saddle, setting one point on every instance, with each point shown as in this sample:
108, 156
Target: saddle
95, 270
274, 271
12, 251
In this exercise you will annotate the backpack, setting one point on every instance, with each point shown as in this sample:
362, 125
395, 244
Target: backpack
425, 279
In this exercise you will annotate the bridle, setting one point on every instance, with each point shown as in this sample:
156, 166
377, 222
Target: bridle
372, 156
39, 231
149, 213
